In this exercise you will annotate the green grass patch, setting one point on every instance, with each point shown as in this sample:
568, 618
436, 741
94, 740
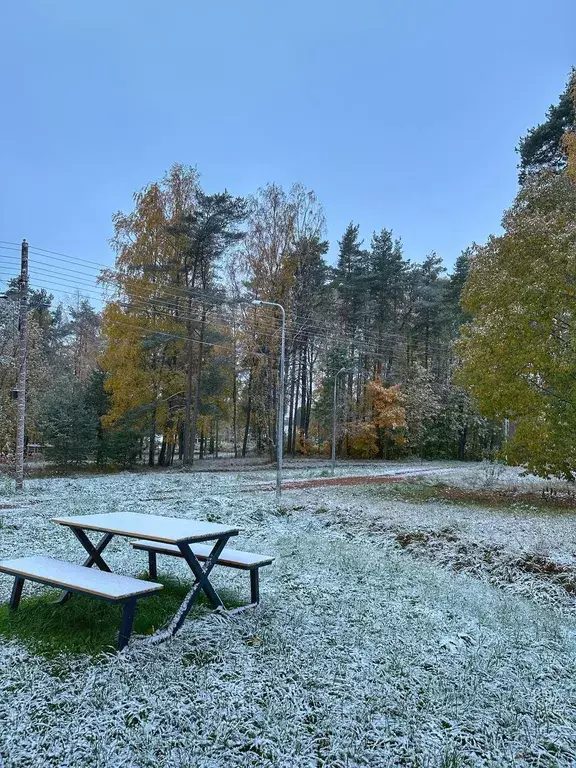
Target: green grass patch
84, 625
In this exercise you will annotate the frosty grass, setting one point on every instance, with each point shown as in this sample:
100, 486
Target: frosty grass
361, 653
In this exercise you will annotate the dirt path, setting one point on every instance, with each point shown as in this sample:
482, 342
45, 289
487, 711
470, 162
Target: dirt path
322, 482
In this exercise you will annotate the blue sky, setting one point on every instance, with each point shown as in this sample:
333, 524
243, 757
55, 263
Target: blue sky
398, 113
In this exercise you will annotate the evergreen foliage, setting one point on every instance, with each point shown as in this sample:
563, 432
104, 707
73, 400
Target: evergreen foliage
543, 149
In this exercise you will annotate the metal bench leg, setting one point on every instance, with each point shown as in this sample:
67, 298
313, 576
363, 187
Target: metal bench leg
201, 583
152, 565
202, 574
255, 585
127, 623
16, 593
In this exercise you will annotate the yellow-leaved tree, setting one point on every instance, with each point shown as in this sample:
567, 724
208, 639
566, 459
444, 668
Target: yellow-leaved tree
519, 349
142, 327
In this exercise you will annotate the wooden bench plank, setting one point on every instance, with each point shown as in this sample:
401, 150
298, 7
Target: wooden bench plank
233, 558
59, 573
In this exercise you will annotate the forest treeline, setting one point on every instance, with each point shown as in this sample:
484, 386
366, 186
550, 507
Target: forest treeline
179, 363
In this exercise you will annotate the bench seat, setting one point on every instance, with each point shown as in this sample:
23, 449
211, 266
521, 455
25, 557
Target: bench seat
231, 558
110, 587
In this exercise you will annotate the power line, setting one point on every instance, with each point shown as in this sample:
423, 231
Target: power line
294, 329
144, 303
297, 329
205, 297
173, 291
171, 335
81, 284
362, 345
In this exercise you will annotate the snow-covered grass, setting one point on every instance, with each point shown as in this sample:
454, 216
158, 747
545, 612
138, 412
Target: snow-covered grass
85, 625
361, 653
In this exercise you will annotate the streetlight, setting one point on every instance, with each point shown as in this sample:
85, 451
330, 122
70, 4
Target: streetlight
342, 370
280, 418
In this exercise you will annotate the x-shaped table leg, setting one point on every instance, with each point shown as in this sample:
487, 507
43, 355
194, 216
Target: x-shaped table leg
202, 584
94, 555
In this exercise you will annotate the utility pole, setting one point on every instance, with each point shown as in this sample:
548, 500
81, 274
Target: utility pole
23, 326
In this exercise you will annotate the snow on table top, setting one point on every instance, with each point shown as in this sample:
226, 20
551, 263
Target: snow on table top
170, 530
62, 574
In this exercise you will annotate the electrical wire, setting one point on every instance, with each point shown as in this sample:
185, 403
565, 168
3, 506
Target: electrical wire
293, 330
205, 298
172, 291
362, 347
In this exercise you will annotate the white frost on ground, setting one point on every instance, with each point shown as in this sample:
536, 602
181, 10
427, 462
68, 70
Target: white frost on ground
360, 655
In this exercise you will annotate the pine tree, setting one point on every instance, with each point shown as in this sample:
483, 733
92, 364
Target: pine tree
543, 148
386, 282
206, 235
68, 424
351, 288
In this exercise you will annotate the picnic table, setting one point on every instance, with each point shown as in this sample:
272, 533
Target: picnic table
156, 528
195, 541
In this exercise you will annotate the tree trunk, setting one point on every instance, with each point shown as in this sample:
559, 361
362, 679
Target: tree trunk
248, 414
291, 404
303, 403
235, 405
462, 442
296, 398
152, 446
273, 391
389, 364
188, 456
259, 441
197, 393
309, 403
162, 456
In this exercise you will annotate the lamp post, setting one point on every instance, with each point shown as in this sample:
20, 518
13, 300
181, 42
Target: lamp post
342, 370
280, 417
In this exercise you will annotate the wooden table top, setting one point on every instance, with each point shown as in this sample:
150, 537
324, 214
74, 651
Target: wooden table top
170, 530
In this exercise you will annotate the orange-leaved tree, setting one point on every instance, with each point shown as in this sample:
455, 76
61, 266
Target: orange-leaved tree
388, 417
